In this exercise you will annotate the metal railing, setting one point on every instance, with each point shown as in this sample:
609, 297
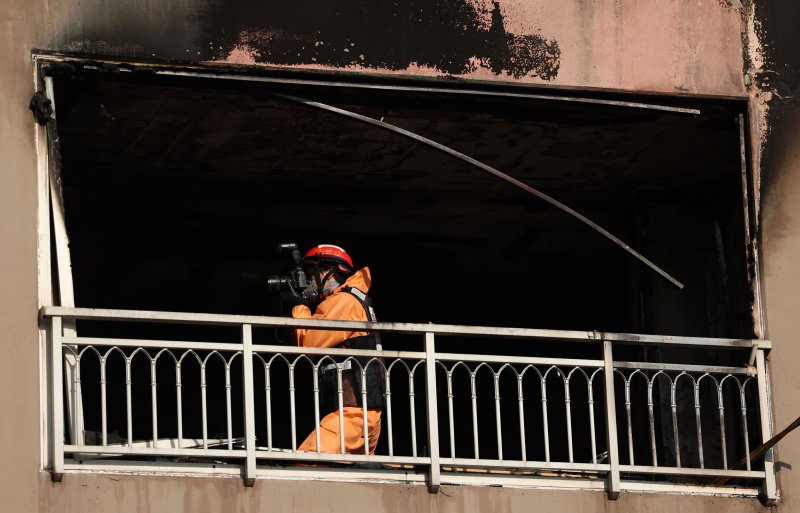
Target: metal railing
448, 417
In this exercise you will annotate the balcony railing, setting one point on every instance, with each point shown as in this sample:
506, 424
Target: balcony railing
494, 418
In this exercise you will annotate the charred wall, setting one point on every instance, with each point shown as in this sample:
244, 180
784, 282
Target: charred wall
778, 78
675, 46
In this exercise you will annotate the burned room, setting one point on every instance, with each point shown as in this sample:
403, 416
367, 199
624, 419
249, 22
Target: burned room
177, 187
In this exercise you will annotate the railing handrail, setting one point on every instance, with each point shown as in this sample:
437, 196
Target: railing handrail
604, 372
395, 327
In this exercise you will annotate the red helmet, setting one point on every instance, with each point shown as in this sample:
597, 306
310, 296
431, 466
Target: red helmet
331, 256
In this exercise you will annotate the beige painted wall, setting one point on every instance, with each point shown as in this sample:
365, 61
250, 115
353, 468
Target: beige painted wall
781, 249
92, 494
20, 21
666, 46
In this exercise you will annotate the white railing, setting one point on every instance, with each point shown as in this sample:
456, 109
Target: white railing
448, 417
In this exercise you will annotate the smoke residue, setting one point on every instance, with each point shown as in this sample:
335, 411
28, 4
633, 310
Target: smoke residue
452, 36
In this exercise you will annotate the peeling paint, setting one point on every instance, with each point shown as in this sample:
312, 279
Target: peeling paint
754, 63
761, 94
455, 37
732, 4
242, 54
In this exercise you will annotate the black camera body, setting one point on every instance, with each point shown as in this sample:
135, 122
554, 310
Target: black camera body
295, 283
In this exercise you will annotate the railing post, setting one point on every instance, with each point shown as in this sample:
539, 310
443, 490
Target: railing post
770, 491
434, 478
249, 406
57, 377
611, 422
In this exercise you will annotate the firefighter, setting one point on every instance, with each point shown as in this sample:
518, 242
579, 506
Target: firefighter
342, 295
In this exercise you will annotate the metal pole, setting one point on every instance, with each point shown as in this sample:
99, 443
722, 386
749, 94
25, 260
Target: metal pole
249, 406
631, 459
268, 391
364, 424
545, 421
204, 407
489, 169
413, 412
450, 419
389, 412
699, 424
521, 406
228, 414
56, 360
498, 422
154, 401
129, 401
434, 478
721, 408
745, 433
614, 483
341, 413
652, 422
292, 408
567, 402
103, 403
675, 435
179, 402
315, 378
770, 491
475, 445
591, 420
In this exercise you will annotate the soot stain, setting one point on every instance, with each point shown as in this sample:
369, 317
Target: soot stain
453, 36
780, 76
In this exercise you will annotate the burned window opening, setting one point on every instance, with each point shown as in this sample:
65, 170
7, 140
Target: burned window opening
175, 207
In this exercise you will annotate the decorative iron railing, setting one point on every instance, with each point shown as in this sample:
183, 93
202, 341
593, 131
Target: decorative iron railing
529, 416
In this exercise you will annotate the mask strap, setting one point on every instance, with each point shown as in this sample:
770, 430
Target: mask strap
322, 280
325, 280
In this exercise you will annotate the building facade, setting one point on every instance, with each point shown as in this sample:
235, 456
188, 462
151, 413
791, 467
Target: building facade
672, 124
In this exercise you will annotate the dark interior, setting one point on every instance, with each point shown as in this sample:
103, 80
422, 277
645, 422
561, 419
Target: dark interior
177, 191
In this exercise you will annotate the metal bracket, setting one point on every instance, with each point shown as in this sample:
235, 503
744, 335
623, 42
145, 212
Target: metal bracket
752, 371
753, 352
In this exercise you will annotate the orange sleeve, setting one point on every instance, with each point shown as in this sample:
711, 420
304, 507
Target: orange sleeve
339, 307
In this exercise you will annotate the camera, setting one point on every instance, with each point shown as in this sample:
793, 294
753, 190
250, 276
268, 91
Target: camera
295, 284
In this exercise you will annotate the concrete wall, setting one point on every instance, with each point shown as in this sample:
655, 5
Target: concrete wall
20, 22
670, 46
90, 494
777, 77
683, 46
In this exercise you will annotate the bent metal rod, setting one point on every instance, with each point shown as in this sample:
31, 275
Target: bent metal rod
485, 167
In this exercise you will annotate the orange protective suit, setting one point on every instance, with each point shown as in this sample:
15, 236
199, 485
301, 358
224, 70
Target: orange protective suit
340, 306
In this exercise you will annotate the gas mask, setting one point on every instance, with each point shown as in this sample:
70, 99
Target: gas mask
319, 283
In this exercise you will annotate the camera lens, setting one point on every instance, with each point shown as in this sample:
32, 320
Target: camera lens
276, 283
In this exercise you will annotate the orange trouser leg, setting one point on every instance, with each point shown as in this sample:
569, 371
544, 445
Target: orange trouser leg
353, 432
